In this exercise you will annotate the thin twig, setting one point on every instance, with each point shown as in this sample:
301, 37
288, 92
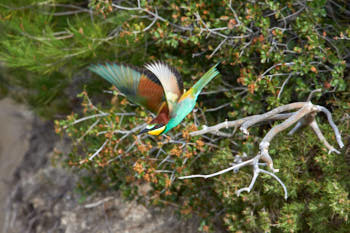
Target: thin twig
99, 150
320, 136
100, 202
331, 122
237, 166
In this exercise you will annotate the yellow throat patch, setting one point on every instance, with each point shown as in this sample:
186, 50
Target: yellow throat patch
157, 131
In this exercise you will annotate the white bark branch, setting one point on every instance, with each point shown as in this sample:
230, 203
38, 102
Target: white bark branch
99, 150
237, 166
331, 122
320, 136
258, 118
304, 116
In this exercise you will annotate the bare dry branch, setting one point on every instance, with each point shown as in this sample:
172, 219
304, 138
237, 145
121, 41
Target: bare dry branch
331, 122
229, 124
100, 202
319, 134
236, 166
304, 116
258, 118
99, 150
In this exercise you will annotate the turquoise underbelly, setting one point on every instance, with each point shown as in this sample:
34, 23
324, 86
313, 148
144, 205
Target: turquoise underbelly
182, 110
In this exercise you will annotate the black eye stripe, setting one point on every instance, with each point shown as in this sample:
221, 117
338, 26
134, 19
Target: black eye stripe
157, 126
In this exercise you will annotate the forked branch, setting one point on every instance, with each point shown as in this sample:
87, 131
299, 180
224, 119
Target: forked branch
304, 115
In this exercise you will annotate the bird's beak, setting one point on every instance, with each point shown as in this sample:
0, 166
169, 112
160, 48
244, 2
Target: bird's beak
145, 130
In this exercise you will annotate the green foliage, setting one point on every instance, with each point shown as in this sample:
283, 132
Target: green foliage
273, 53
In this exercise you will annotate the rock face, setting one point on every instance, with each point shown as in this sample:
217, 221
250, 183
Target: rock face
37, 196
15, 128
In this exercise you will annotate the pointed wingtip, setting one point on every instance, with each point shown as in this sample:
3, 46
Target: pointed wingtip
218, 66
93, 67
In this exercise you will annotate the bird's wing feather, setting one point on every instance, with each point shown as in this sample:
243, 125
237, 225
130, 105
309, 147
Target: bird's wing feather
170, 80
141, 87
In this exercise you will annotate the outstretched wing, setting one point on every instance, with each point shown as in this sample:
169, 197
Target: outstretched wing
140, 87
171, 81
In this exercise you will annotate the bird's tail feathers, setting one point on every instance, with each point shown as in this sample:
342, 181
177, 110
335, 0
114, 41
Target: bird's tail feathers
205, 79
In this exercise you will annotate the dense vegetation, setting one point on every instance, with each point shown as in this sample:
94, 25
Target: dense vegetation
272, 53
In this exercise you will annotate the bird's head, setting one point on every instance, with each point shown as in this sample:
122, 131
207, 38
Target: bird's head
154, 129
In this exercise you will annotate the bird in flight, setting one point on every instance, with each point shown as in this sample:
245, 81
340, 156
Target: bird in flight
159, 88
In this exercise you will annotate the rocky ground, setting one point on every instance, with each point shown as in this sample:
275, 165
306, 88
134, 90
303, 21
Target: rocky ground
37, 196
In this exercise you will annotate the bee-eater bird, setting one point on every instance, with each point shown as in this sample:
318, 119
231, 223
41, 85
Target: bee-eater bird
158, 88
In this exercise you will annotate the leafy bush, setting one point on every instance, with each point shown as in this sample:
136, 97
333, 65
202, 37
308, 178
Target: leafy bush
273, 53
